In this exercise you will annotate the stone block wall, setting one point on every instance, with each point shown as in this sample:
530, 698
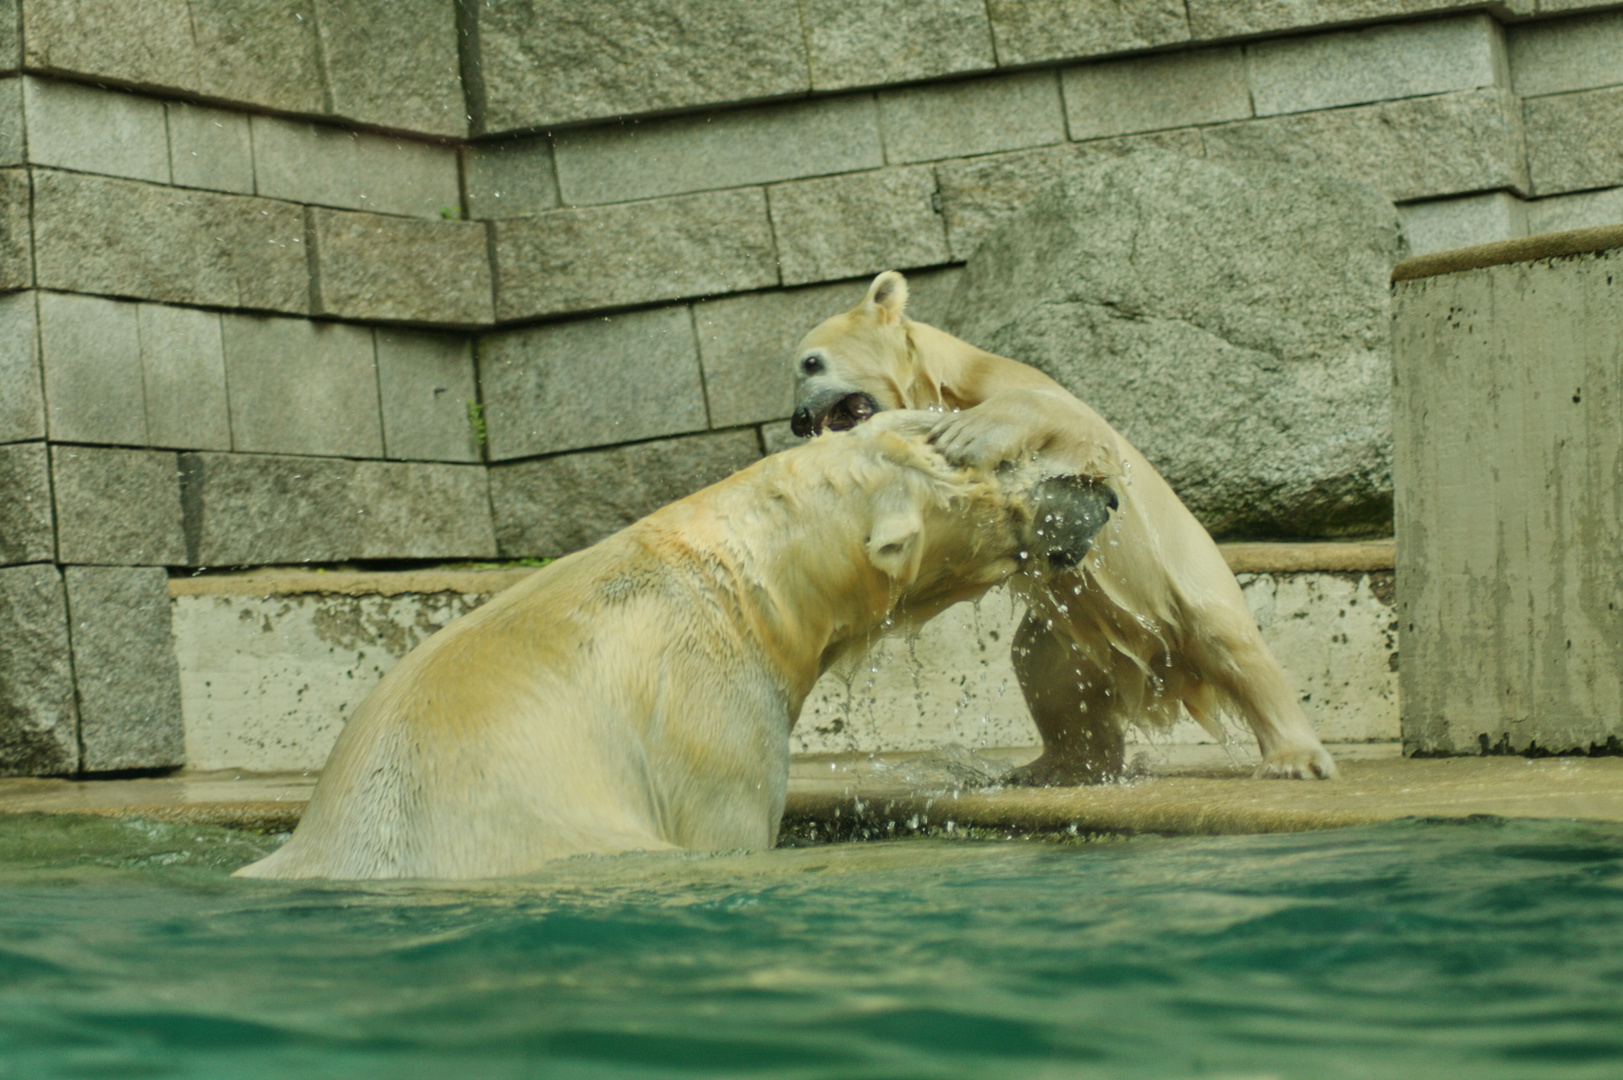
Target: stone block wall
306, 281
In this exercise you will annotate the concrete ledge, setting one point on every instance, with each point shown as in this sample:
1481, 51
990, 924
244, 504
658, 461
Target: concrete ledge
233, 799
1521, 249
296, 582
1243, 558
1226, 802
1354, 556
853, 804
273, 660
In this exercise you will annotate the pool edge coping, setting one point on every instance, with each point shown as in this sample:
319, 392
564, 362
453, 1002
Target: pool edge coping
1243, 557
1554, 245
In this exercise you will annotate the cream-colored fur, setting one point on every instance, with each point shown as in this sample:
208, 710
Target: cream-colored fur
1152, 619
639, 694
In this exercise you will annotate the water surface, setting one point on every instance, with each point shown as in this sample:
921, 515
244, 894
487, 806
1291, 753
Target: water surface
1479, 949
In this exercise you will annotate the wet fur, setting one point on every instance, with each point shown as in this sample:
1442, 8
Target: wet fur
1152, 620
639, 694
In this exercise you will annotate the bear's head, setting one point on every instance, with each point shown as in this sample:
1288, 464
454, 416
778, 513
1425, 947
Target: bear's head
931, 525
856, 363
874, 359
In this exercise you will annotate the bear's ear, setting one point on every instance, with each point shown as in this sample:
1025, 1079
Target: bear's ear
887, 296
893, 542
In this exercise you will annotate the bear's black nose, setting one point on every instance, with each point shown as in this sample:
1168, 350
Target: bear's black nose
802, 424
1070, 512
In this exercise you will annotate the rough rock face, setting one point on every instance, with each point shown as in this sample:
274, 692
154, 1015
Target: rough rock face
1229, 318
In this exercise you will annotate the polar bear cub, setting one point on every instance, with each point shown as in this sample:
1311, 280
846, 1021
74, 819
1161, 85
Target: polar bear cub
639, 694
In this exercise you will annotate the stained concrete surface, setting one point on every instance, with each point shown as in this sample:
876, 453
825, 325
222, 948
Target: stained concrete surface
1507, 382
879, 796
273, 661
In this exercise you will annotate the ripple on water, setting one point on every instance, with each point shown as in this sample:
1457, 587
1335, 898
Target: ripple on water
1484, 948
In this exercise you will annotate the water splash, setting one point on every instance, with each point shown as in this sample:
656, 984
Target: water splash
950, 768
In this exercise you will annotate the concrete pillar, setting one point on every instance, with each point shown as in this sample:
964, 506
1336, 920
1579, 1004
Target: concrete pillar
1508, 423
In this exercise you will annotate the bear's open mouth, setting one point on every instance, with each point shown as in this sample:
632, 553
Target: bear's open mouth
842, 414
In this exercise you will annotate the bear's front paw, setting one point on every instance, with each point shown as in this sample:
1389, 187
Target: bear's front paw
1297, 763
977, 439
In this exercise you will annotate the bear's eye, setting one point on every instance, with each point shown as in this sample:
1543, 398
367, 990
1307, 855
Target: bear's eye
812, 365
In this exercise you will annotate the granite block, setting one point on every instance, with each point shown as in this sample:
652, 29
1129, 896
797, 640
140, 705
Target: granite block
22, 396
123, 238
1229, 317
39, 723
978, 193
860, 223
549, 62
149, 43
415, 42
91, 349
1554, 56
510, 178
1572, 140
649, 158
301, 387
27, 528
1033, 31
354, 170
11, 42
563, 386
978, 116
557, 505
1381, 63
1246, 18
383, 268
1419, 148
253, 51
210, 148
746, 344
183, 373
1585, 210
17, 230
1151, 93
1447, 224
117, 507
13, 127
614, 256
891, 41
251, 509
89, 129
427, 386
124, 668
264, 52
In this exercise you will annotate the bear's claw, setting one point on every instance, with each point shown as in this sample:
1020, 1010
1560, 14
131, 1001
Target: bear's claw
1297, 763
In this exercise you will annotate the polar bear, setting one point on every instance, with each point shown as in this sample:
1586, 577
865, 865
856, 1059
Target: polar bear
639, 694
1152, 620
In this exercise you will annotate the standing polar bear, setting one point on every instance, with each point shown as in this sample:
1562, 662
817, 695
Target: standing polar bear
1153, 618
639, 694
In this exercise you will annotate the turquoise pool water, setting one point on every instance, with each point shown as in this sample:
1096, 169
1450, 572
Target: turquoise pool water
1480, 949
